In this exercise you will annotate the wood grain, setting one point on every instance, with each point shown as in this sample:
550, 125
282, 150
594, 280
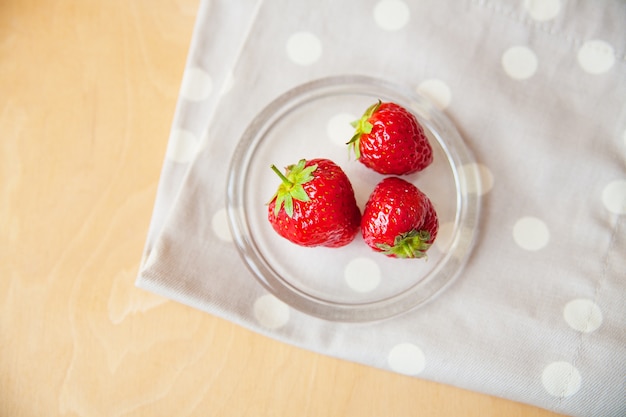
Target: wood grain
87, 94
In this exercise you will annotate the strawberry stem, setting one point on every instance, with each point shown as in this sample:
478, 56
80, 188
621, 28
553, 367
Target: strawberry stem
362, 126
291, 188
282, 177
408, 245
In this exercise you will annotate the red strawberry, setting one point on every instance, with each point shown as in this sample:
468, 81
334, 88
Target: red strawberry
315, 205
390, 140
399, 220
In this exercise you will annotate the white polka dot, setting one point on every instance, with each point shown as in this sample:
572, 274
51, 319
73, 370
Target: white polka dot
406, 358
542, 10
437, 91
391, 14
583, 315
485, 177
614, 197
270, 312
219, 222
304, 48
596, 56
561, 379
531, 233
362, 274
339, 129
197, 84
182, 146
519, 62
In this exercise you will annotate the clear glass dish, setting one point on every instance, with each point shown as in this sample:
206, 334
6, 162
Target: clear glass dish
352, 283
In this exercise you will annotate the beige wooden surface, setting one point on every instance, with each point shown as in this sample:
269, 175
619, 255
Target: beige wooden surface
87, 94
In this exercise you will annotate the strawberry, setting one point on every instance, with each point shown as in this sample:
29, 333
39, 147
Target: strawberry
315, 205
390, 140
399, 220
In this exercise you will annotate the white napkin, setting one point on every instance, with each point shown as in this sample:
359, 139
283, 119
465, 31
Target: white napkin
537, 90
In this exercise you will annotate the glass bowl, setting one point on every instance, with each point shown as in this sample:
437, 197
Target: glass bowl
352, 283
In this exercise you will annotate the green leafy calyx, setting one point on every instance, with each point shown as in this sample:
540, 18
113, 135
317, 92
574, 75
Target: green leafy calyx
408, 245
291, 187
362, 126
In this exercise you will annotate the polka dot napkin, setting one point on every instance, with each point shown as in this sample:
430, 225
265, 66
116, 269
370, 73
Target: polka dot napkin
537, 89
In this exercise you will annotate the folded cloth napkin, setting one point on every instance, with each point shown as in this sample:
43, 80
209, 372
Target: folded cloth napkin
537, 91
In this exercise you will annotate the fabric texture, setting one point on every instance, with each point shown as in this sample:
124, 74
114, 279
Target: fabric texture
536, 89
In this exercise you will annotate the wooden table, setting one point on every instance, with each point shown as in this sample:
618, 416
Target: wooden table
87, 94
